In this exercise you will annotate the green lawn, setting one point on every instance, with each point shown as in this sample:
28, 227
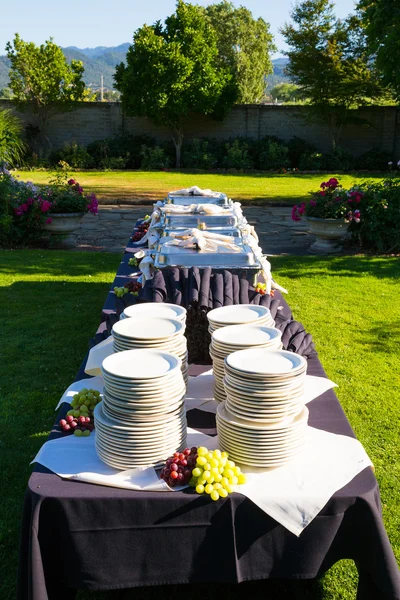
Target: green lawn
51, 304
120, 186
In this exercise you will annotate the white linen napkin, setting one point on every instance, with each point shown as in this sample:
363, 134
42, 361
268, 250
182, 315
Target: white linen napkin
200, 392
94, 383
294, 494
97, 354
76, 458
196, 191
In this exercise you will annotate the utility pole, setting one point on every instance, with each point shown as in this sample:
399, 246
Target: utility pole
101, 88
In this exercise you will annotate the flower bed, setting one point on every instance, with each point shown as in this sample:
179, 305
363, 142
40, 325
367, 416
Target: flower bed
26, 209
371, 209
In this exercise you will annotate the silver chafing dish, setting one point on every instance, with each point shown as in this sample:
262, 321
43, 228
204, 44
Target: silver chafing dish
188, 221
174, 256
221, 200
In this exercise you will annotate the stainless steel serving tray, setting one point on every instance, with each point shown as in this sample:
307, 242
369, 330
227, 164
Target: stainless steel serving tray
221, 200
173, 256
210, 221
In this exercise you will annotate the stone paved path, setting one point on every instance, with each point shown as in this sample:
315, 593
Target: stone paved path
109, 231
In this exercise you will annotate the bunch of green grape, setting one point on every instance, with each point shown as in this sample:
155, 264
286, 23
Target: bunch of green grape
215, 474
121, 291
84, 402
133, 262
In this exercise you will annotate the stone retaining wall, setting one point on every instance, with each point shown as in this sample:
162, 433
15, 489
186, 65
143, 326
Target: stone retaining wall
94, 121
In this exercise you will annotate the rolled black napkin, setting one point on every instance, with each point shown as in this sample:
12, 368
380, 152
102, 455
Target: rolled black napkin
204, 295
243, 291
217, 287
194, 286
235, 288
184, 281
254, 297
228, 287
175, 286
159, 287
296, 339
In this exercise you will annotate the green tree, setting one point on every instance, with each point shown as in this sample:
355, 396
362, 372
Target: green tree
244, 45
382, 26
173, 71
330, 62
286, 92
12, 148
6, 94
41, 77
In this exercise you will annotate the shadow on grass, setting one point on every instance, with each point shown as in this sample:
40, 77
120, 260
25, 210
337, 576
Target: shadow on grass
57, 262
384, 337
340, 266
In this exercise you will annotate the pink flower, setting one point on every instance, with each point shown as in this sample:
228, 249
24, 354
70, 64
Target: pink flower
45, 206
358, 198
295, 216
30, 201
302, 208
18, 211
313, 203
322, 193
338, 199
350, 200
49, 220
71, 182
357, 213
323, 185
24, 207
333, 183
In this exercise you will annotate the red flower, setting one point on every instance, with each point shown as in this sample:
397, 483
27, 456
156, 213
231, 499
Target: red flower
49, 220
71, 182
295, 215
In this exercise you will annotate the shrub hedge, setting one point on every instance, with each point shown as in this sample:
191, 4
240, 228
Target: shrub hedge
239, 153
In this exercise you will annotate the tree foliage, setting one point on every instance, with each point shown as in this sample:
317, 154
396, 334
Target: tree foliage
286, 92
330, 62
41, 76
382, 26
172, 70
244, 46
12, 148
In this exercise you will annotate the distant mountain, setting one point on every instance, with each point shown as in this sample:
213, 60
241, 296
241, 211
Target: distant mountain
102, 60
97, 62
278, 75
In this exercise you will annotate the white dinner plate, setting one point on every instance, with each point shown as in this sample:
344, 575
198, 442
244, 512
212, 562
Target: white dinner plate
259, 362
156, 310
140, 364
147, 328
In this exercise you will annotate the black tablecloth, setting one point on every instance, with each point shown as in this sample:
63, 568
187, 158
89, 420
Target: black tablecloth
81, 536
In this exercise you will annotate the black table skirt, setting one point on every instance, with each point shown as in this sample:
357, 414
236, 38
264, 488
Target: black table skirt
81, 536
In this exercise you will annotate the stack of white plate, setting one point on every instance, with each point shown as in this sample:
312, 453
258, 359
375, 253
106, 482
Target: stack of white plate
155, 310
263, 394
152, 333
239, 314
141, 420
257, 445
233, 338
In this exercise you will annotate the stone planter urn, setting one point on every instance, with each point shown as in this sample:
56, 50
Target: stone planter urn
61, 228
330, 234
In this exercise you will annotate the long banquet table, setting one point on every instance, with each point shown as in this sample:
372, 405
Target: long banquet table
80, 536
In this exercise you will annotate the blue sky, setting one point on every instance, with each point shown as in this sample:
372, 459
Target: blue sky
89, 23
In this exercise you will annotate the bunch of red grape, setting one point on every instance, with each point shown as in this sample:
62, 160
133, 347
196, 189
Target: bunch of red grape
178, 468
140, 231
133, 286
79, 426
